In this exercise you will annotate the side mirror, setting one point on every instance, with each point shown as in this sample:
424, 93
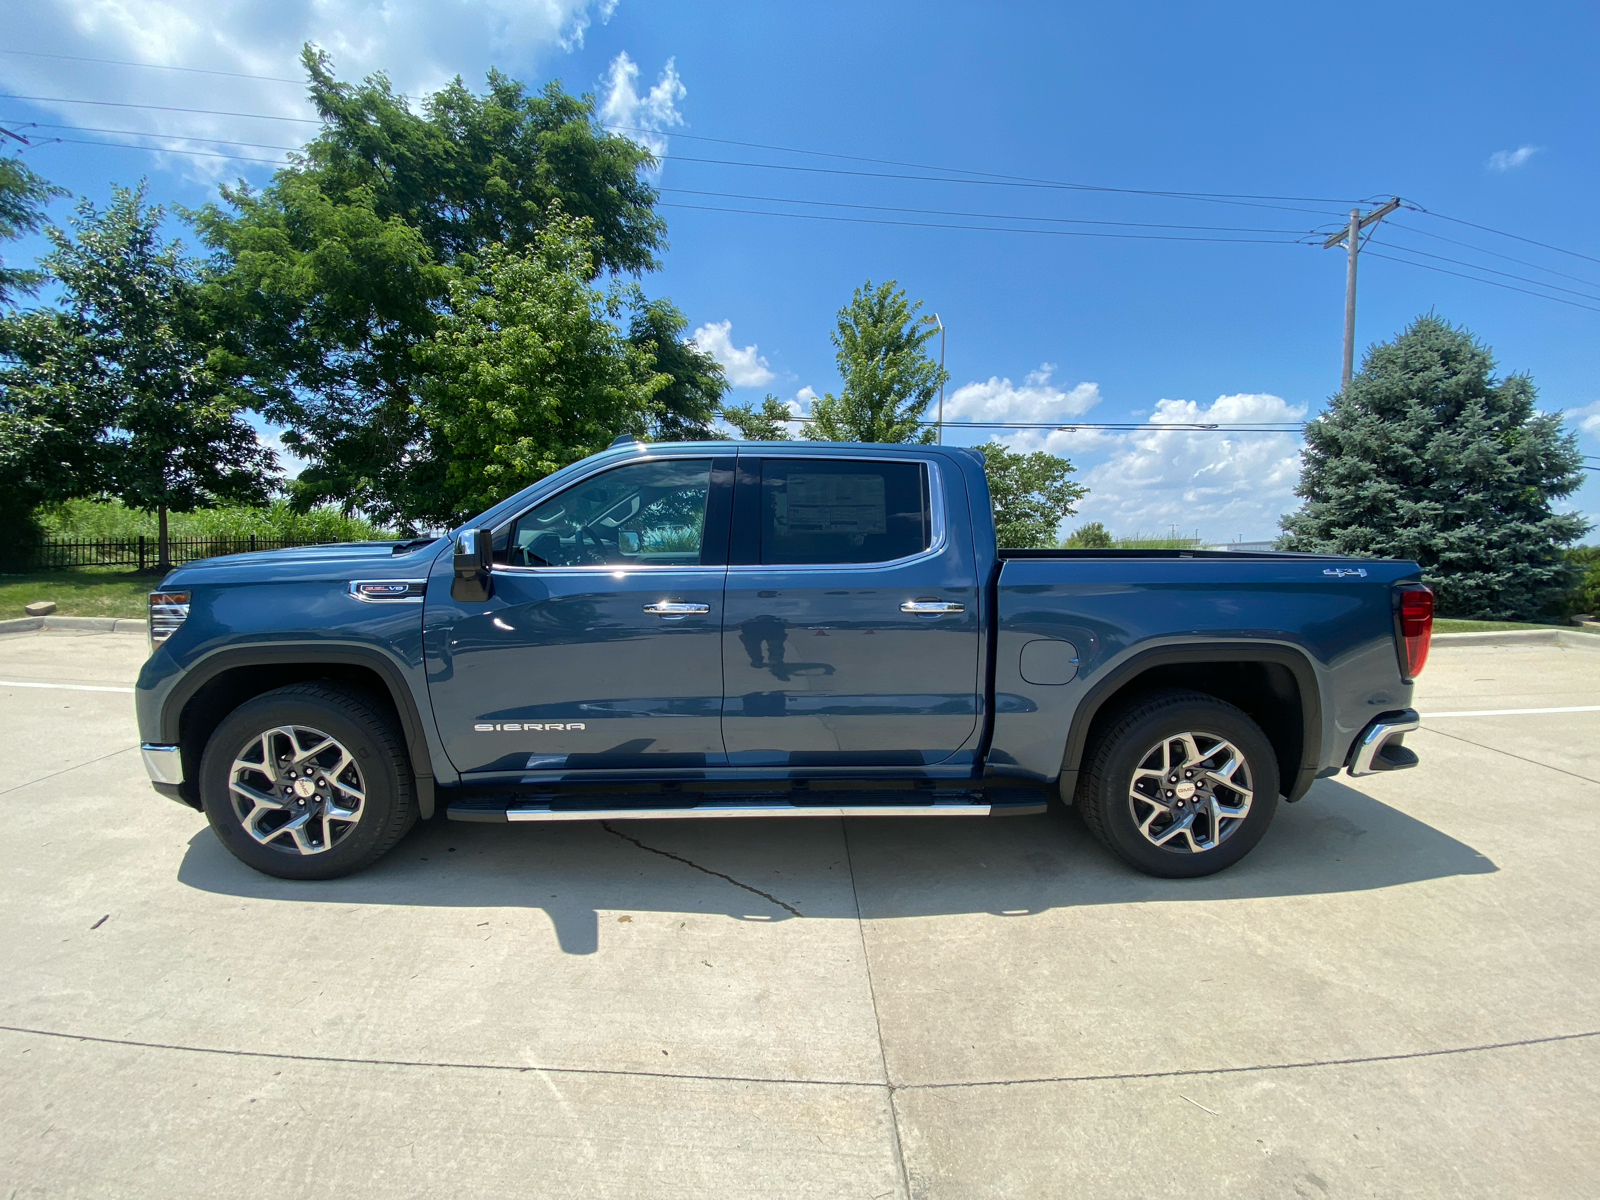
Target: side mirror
473, 558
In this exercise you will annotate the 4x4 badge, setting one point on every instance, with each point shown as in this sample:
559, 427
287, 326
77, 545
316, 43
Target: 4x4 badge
1341, 572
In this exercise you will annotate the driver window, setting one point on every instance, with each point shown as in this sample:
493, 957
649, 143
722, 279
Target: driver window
644, 514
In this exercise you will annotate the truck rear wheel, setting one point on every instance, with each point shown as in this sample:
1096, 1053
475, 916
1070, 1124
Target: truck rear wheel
1180, 784
310, 781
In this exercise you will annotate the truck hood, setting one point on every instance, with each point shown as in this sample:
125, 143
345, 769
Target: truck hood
375, 560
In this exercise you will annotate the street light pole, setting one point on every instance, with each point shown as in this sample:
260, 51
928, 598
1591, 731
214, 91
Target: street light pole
1351, 236
934, 320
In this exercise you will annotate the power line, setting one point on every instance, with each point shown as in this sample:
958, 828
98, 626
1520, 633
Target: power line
1491, 271
890, 162
939, 212
1115, 426
276, 162
1494, 253
1501, 233
117, 62
207, 112
752, 212
187, 137
1475, 279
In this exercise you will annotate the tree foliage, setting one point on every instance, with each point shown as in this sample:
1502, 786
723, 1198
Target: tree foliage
1031, 494
137, 343
527, 372
889, 380
341, 268
1427, 456
691, 400
23, 196
769, 423
1092, 536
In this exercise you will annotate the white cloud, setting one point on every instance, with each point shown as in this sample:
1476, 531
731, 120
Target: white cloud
1587, 418
1510, 160
1036, 401
1224, 485
744, 368
420, 45
642, 118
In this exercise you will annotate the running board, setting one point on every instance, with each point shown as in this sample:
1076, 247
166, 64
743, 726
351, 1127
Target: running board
482, 809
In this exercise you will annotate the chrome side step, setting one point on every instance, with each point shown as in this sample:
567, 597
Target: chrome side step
546, 813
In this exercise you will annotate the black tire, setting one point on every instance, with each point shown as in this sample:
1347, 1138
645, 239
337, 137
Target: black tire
372, 764
1149, 728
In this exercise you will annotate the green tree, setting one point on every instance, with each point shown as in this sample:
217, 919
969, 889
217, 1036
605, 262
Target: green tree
23, 196
528, 371
1093, 536
889, 380
136, 334
341, 267
1031, 494
691, 401
1427, 456
769, 423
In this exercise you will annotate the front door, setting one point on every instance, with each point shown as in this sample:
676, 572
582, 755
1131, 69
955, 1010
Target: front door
599, 646
851, 636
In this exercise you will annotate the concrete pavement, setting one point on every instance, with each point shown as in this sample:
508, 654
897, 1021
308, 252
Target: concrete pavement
1395, 993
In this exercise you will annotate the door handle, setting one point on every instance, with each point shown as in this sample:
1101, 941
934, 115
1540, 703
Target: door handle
932, 608
672, 608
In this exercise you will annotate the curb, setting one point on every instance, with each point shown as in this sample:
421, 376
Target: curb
1520, 637
96, 624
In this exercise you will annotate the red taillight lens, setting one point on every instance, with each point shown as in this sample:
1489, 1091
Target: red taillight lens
1416, 627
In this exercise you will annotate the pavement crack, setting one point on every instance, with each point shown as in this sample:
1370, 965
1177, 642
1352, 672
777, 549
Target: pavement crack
1507, 753
789, 908
64, 770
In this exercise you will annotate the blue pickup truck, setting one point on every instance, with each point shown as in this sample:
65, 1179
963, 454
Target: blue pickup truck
767, 629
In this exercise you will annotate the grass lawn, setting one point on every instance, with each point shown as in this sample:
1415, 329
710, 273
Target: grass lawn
1446, 625
79, 592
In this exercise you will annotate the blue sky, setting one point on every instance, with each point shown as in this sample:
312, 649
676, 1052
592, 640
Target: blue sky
1475, 112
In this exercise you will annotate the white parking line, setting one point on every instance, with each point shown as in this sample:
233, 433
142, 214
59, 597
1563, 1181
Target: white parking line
1513, 712
64, 687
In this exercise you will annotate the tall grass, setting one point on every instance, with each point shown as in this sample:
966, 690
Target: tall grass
110, 520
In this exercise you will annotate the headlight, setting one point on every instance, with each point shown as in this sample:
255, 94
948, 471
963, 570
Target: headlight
168, 610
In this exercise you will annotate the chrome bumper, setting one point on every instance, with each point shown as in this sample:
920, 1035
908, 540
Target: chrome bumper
1380, 748
164, 764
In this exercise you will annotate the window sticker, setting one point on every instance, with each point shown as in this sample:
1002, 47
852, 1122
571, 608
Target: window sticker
831, 504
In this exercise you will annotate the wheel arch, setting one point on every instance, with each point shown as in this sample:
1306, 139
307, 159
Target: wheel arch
1275, 685
218, 684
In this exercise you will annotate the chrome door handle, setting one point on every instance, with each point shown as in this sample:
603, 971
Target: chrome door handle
672, 608
932, 608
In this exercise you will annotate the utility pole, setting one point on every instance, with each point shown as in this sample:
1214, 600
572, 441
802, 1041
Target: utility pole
934, 320
1352, 237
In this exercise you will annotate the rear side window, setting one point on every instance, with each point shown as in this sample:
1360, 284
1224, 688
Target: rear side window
842, 511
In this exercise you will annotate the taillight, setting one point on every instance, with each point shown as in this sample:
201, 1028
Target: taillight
168, 610
1416, 627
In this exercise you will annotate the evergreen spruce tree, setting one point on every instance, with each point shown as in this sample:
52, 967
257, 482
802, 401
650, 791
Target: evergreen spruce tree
1427, 456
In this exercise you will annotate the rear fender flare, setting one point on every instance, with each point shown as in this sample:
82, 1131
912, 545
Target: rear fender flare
1295, 659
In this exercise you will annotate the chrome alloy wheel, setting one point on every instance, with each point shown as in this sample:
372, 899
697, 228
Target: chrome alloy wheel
1190, 792
296, 790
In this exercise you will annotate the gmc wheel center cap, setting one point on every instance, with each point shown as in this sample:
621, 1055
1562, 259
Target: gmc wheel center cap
305, 789
1185, 790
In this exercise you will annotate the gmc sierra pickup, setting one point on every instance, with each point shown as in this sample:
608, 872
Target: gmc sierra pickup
767, 629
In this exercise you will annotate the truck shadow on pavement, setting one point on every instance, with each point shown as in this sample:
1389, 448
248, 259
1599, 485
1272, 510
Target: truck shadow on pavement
1335, 840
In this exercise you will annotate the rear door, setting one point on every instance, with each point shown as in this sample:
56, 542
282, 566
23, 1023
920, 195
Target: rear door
600, 645
851, 635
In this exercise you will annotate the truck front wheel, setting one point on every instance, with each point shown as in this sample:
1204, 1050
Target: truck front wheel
310, 781
1179, 784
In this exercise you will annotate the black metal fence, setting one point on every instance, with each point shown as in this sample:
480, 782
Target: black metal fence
139, 553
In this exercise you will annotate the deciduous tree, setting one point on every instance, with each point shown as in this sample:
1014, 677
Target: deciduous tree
1031, 493
888, 377
769, 423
